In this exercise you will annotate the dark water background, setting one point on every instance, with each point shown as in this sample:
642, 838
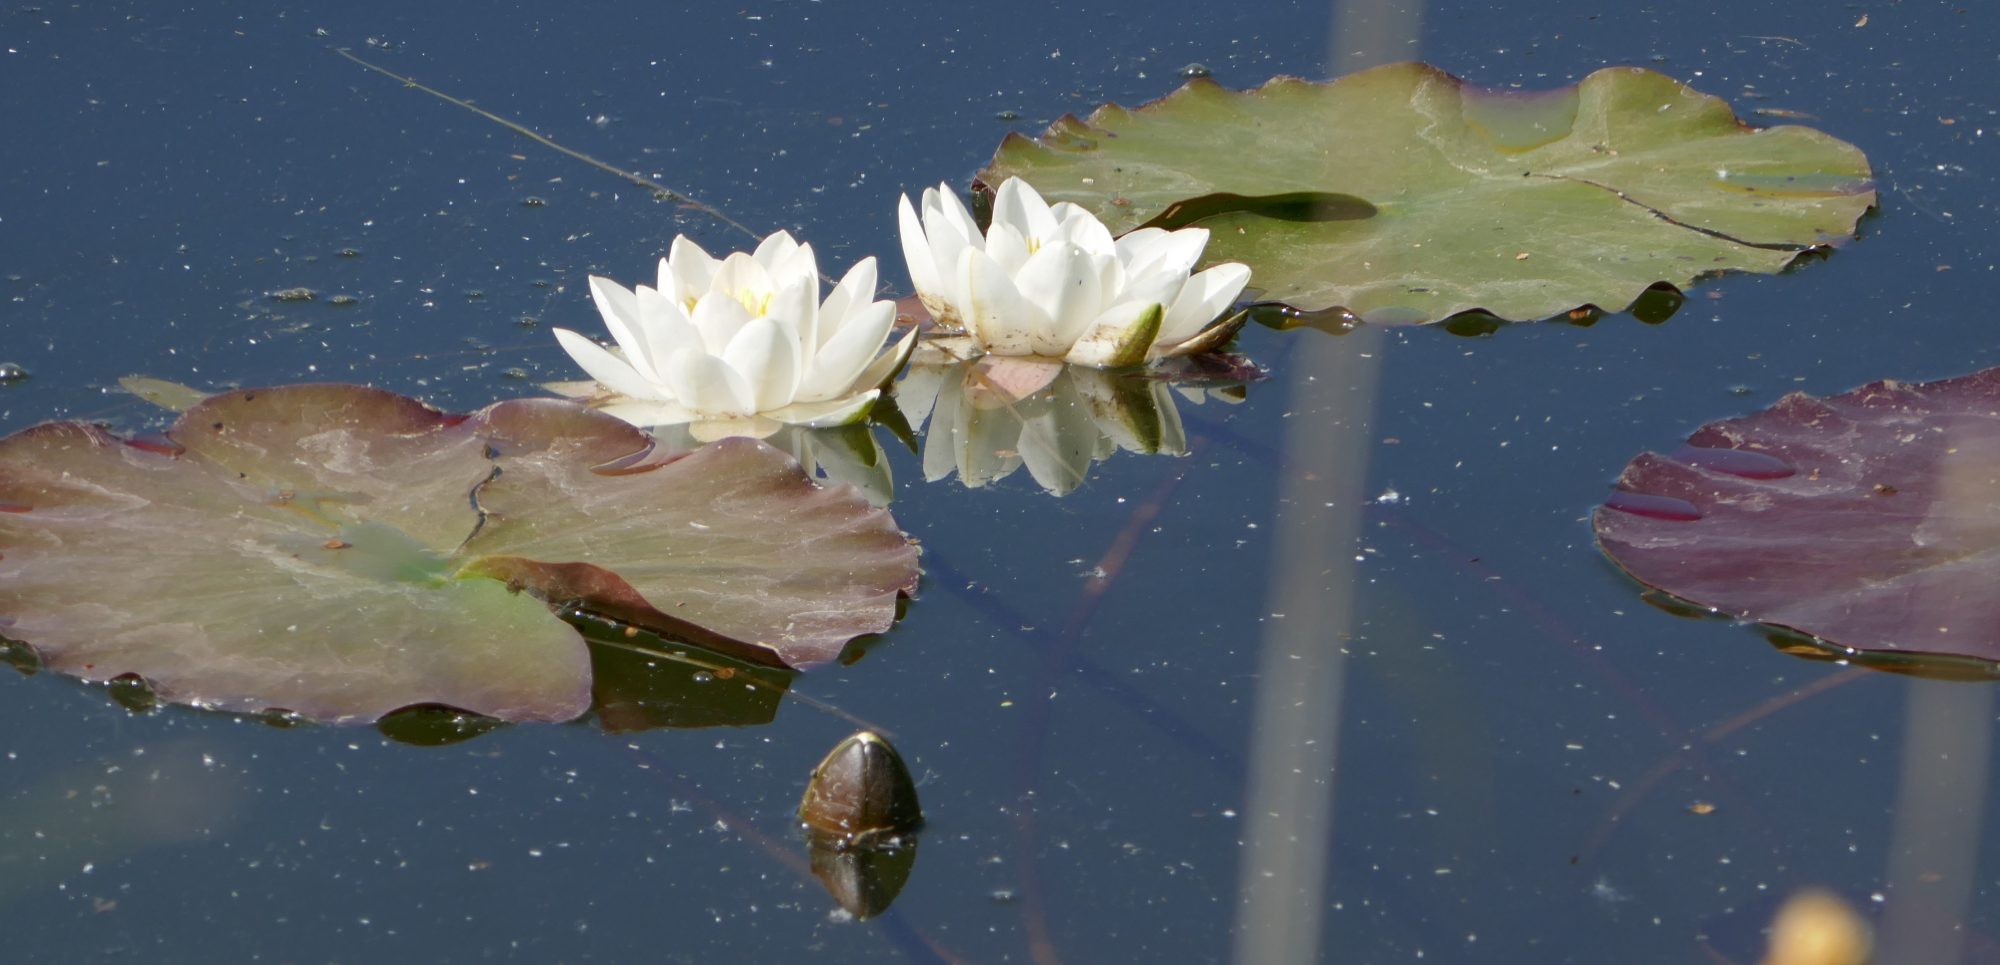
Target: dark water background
1507, 692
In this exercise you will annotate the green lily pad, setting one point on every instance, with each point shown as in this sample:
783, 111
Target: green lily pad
342, 552
1404, 195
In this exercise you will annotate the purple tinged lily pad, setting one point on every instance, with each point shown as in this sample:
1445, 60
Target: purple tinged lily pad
342, 552
1870, 520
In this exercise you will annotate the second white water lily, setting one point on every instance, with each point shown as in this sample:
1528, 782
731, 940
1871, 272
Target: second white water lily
1048, 280
741, 344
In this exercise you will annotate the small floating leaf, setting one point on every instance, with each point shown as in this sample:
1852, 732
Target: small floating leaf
1404, 195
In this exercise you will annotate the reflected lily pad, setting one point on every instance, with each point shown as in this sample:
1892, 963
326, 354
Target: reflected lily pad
1869, 520
1404, 195
342, 552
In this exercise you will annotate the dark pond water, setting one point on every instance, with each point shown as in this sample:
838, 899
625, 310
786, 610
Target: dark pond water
1499, 747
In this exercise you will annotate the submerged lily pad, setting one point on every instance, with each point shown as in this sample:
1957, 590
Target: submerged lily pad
1870, 519
341, 552
1404, 195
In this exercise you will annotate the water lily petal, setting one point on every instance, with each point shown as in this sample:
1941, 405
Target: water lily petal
766, 354
712, 387
664, 328
1139, 244
833, 412
1018, 205
1076, 225
1119, 337
854, 292
1203, 297
686, 272
947, 229
837, 367
646, 414
1062, 282
797, 305
580, 389
798, 263
994, 311
774, 250
917, 256
1007, 246
1169, 252
718, 316
881, 373
1110, 278
1160, 287
609, 370
944, 210
619, 307
745, 278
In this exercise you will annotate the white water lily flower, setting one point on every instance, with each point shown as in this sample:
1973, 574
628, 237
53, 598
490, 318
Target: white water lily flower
1050, 281
741, 344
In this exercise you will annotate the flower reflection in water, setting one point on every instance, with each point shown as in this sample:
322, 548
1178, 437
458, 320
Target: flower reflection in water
988, 417
835, 454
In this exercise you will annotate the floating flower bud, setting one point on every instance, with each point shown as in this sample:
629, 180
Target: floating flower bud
862, 790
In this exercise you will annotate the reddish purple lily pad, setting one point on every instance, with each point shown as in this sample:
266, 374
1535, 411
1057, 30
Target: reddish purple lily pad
341, 552
1870, 520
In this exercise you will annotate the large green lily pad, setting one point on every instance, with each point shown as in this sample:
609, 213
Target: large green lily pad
1404, 195
341, 552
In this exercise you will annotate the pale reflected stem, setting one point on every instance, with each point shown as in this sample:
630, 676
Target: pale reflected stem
1057, 662
1940, 807
1301, 664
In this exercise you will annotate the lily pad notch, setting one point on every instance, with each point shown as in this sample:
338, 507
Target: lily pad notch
341, 552
1403, 195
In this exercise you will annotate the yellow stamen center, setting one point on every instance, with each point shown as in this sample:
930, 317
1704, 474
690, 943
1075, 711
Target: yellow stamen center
758, 303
